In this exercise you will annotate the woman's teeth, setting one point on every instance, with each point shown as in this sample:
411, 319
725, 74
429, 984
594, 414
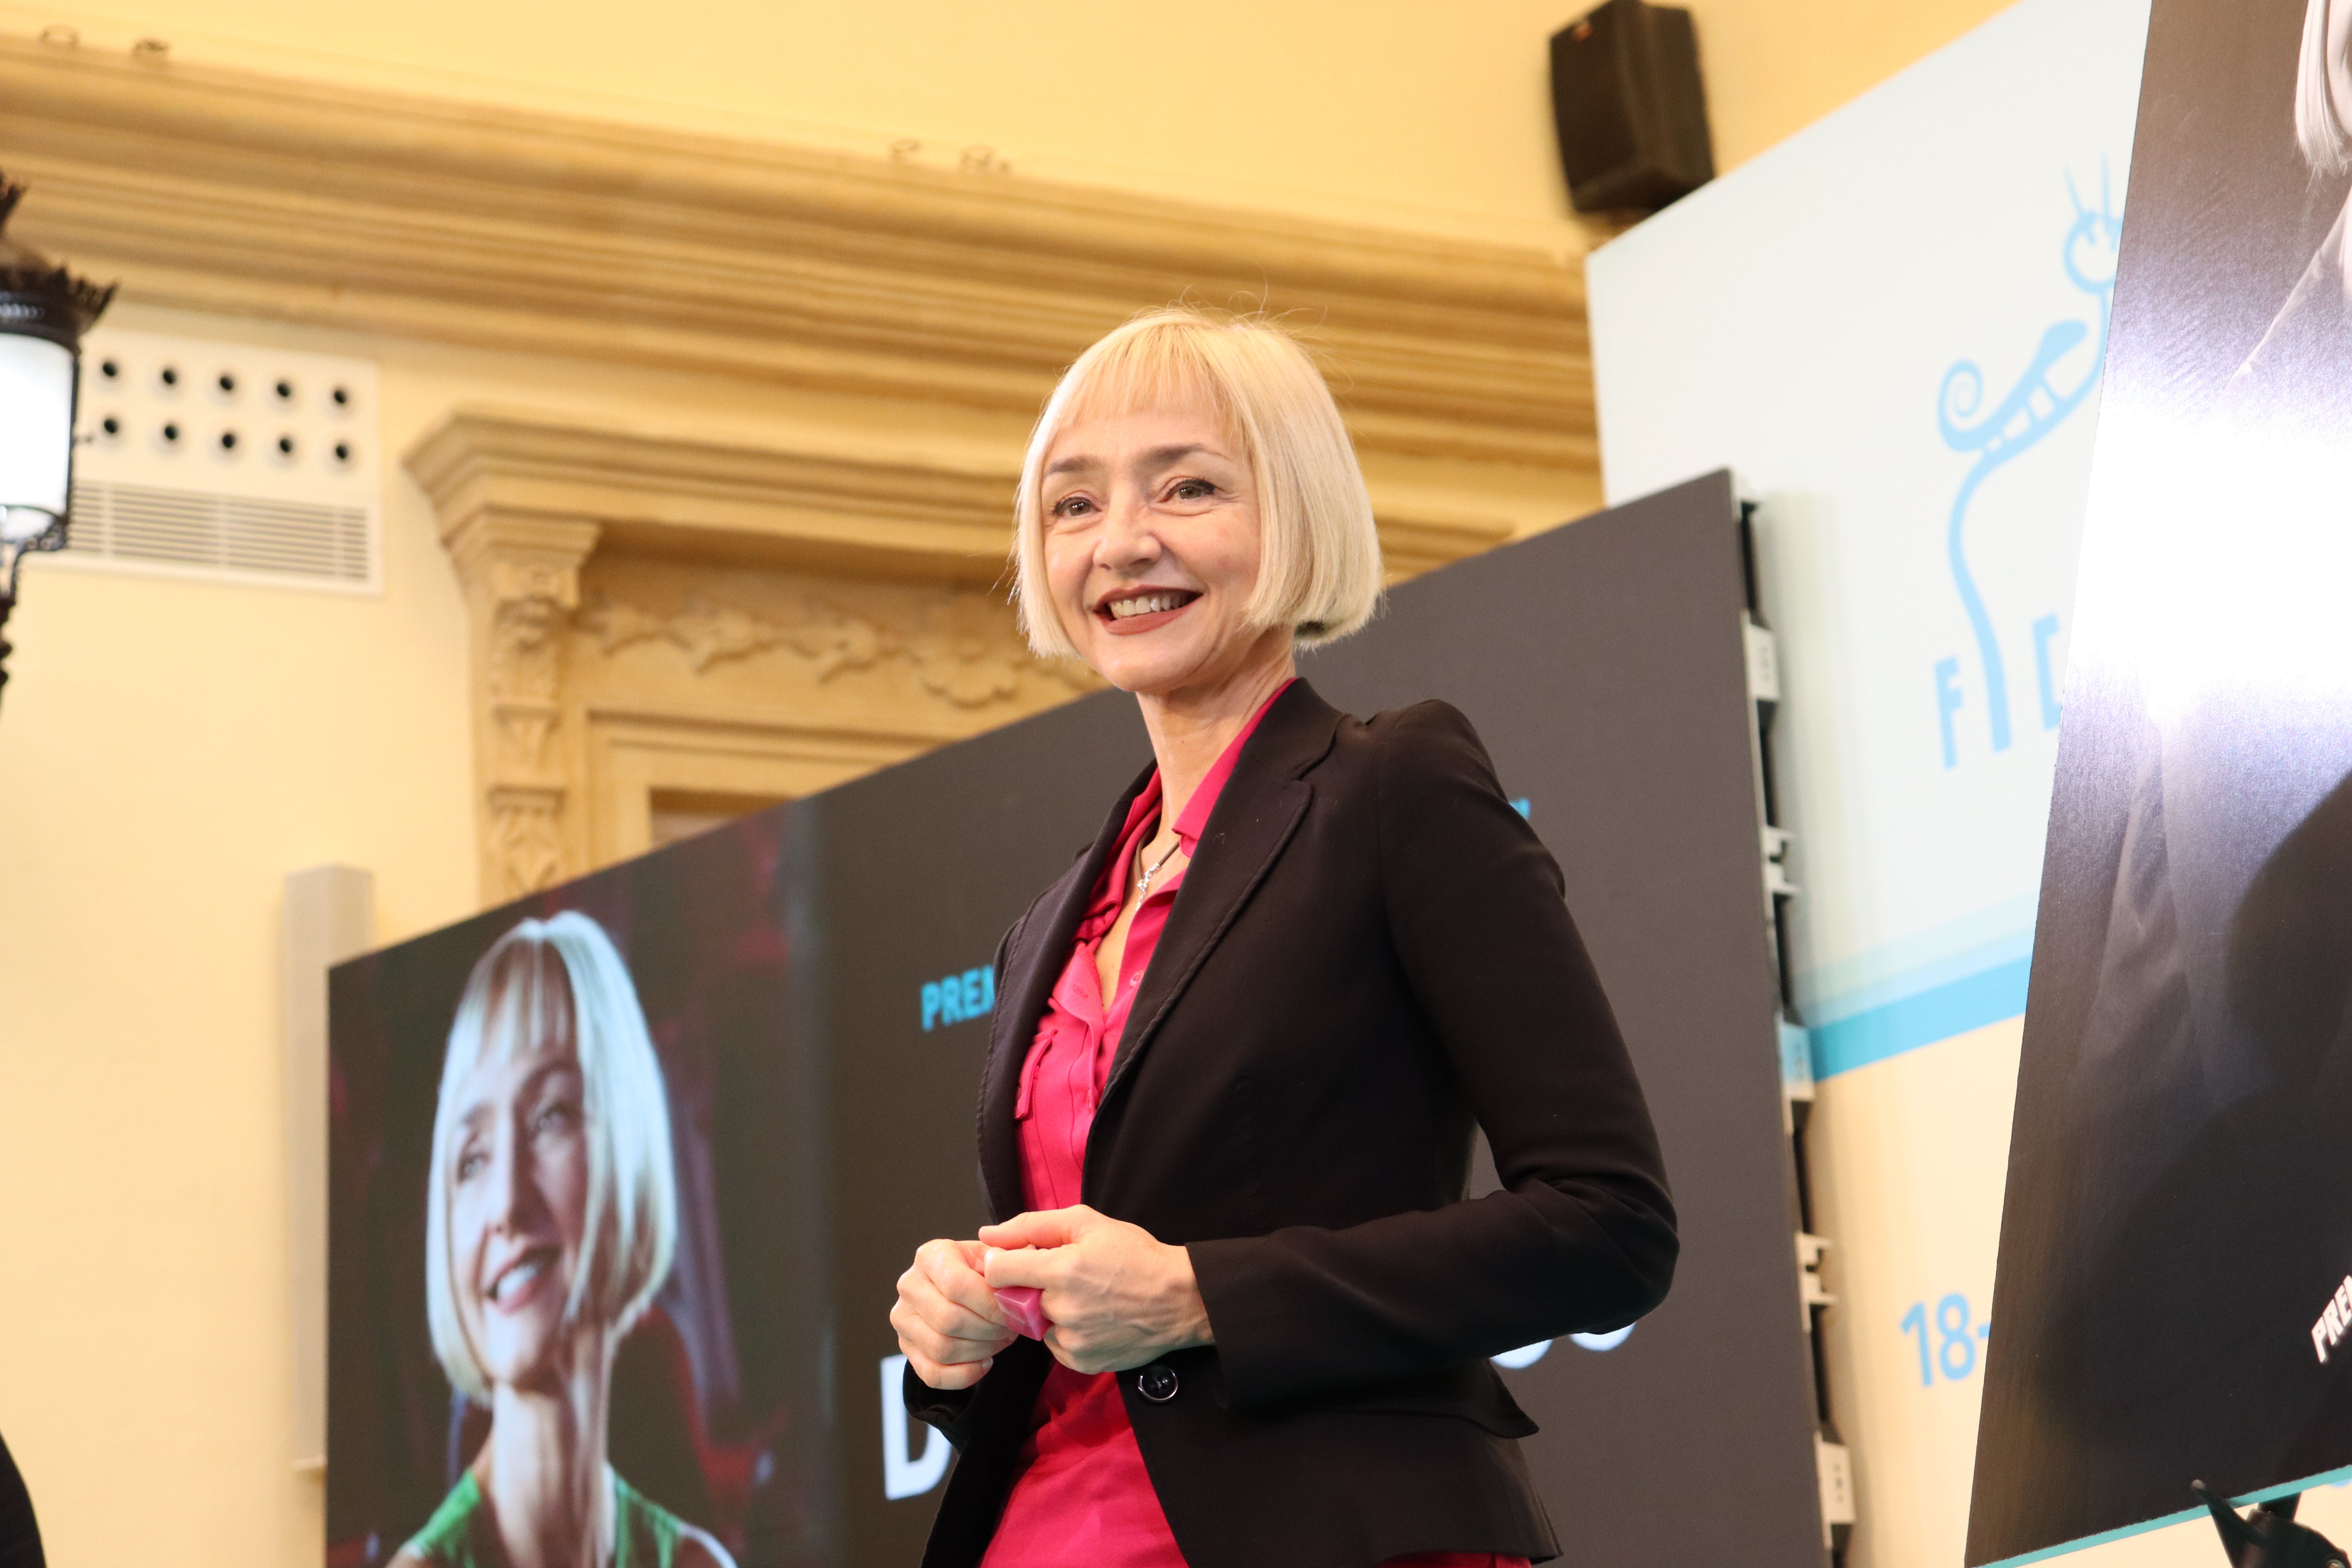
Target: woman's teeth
1149, 604
515, 1281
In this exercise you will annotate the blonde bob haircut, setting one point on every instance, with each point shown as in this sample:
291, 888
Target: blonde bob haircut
1319, 554
561, 978
2318, 131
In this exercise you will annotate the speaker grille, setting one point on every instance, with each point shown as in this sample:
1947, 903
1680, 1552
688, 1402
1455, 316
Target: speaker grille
229, 535
228, 461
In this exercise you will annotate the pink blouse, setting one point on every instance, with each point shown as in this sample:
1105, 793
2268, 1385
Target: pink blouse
1083, 1499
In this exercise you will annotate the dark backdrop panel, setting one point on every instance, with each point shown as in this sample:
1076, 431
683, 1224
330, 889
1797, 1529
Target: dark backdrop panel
1602, 663
925, 867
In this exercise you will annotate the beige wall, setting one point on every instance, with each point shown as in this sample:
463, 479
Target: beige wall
1774, 67
169, 751
1388, 110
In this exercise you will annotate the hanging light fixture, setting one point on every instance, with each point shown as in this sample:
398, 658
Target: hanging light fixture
44, 311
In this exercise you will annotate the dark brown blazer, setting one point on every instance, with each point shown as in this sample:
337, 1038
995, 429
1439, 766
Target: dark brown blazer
1370, 952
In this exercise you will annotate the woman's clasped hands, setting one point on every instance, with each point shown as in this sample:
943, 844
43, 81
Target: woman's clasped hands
1113, 1296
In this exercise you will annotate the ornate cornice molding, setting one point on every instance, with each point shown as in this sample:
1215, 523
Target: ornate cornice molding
222, 191
691, 498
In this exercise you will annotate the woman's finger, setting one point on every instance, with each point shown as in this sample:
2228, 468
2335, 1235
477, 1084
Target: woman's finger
922, 1343
951, 1273
981, 1322
1043, 1227
942, 1342
935, 1376
1036, 1267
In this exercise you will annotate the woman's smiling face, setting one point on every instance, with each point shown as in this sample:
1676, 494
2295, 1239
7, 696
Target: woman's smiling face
517, 1178
1151, 540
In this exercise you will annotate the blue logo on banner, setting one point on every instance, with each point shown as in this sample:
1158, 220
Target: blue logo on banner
959, 998
2036, 404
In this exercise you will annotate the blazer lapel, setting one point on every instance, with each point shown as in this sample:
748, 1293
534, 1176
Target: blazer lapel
1032, 966
1253, 819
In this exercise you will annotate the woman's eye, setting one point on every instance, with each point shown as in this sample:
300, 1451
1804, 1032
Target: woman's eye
1073, 506
1191, 490
555, 1119
469, 1164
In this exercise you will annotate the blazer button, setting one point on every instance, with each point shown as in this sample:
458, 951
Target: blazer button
1156, 1382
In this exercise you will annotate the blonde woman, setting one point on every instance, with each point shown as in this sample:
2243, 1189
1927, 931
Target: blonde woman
1239, 1049
551, 1220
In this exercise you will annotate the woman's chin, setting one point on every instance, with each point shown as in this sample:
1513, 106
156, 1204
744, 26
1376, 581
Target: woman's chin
525, 1360
1150, 671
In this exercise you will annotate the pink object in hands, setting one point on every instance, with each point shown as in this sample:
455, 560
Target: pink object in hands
1025, 1309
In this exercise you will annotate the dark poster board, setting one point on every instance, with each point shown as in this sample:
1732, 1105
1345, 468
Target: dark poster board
2176, 1254
1603, 665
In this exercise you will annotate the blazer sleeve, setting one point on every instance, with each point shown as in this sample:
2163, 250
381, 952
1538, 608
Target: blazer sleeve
1581, 1235
949, 1409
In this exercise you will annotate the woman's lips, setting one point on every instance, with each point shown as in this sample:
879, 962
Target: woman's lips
521, 1283
1137, 618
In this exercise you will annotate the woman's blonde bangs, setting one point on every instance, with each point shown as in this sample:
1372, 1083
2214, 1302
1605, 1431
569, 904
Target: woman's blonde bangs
1320, 562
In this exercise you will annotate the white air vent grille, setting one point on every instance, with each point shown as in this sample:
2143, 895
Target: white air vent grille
226, 534
226, 460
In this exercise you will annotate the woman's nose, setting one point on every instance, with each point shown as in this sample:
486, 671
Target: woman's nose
1127, 538
510, 1189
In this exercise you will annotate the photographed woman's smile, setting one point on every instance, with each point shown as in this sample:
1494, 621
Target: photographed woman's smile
517, 1284
520, 1205
1152, 540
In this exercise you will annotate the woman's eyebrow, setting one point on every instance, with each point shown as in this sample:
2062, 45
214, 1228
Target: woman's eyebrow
1160, 456
538, 1076
1156, 458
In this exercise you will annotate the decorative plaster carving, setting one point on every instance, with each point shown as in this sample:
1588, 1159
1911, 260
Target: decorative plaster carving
243, 195
706, 632
533, 601
525, 835
965, 648
832, 640
835, 640
969, 652
522, 583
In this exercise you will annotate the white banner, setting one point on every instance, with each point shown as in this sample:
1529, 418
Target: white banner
1892, 327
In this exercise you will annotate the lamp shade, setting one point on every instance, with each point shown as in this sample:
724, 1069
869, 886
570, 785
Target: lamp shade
37, 408
44, 310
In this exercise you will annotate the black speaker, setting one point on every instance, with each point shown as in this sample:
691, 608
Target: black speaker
1631, 111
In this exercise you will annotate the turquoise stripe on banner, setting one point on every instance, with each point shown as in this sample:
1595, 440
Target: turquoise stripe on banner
1937, 1014
2335, 1478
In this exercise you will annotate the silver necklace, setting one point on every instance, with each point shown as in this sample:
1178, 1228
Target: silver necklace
1143, 885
